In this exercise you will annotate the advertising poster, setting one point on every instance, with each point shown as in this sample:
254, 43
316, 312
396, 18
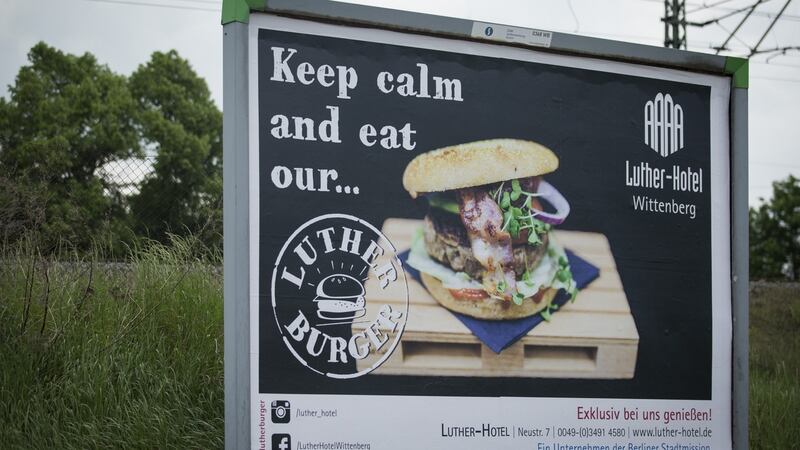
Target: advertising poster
457, 244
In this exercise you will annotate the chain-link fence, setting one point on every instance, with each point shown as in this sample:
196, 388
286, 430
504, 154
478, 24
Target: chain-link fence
163, 213
57, 213
126, 175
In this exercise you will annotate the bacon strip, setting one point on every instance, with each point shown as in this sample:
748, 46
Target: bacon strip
491, 246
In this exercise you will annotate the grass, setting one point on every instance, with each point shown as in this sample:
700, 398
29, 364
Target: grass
129, 355
774, 365
108, 356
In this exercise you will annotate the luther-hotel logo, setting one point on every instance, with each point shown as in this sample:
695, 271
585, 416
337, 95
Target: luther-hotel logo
663, 125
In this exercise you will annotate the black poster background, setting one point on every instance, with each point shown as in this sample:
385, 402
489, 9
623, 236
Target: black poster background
592, 120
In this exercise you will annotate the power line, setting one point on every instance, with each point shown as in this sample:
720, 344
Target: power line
704, 6
675, 23
769, 28
750, 9
725, 29
765, 14
155, 5
777, 51
787, 80
794, 66
209, 2
776, 164
744, 19
574, 16
752, 51
768, 14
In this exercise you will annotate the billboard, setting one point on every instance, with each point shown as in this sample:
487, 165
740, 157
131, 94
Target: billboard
458, 244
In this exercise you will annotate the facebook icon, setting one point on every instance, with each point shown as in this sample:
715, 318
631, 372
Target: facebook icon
281, 441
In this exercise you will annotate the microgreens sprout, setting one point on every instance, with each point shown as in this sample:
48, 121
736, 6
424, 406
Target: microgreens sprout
564, 275
516, 219
508, 218
527, 203
505, 202
523, 217
516, 190
496, 194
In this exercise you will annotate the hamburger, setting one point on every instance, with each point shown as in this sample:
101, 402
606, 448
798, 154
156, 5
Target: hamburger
340, 297
485, 248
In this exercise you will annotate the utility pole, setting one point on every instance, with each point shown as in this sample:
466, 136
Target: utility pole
674, 23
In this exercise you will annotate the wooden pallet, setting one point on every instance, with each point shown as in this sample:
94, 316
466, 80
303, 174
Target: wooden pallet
594, 337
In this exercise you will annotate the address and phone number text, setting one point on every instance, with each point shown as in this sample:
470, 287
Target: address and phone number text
669, 431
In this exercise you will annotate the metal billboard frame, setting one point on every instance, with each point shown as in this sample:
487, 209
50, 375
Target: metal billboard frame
235, 17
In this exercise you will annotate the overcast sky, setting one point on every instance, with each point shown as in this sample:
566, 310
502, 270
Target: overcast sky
123, 34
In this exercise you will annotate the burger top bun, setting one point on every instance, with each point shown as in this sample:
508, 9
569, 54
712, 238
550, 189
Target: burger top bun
477, 163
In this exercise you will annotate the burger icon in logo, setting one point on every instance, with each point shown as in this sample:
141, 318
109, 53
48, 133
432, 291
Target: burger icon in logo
340, 297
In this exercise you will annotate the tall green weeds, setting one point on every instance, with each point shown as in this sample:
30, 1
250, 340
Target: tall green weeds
774, 365
111, 355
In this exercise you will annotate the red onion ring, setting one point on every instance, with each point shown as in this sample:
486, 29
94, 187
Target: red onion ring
549, 193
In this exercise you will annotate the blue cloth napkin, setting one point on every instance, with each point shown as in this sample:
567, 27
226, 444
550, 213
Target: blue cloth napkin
499, 334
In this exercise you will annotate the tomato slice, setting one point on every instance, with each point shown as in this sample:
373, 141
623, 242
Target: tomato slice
537, 298
480, 294
469, 294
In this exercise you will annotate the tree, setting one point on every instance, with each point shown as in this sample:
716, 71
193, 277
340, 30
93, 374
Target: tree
180, 123
66, 117
775, 233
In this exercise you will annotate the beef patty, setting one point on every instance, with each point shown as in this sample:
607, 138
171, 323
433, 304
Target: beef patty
446, 241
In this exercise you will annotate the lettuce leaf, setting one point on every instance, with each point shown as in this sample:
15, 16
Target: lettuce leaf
443, 202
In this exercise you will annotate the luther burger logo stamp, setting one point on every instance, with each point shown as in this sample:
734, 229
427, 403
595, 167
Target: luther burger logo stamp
322, 284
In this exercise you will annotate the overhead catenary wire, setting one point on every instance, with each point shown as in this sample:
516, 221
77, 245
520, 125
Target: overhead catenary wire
772, 163
725, 29
769, 28
765, 14
574, 16
744, 19
780, 52
705, 6
155, 5
785, 80
793, 66
754, 50
750, 9
208, 2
